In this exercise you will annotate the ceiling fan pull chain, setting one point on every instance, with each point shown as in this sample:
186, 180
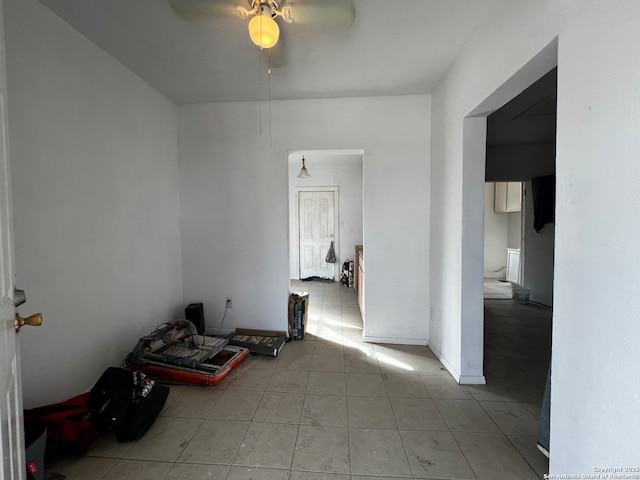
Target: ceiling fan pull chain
269, 96
260, 87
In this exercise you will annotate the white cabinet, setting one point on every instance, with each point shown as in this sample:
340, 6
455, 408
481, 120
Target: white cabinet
508, 197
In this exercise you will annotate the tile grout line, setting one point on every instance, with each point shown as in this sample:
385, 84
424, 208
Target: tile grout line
305, 394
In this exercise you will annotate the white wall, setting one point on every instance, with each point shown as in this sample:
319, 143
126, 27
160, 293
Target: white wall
235, 220
96, 203
496, 233
594, 421
343, 171
514, 233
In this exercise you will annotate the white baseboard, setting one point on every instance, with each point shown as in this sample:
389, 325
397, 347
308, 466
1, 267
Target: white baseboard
454, 373
396, 341
461, 379
472, 380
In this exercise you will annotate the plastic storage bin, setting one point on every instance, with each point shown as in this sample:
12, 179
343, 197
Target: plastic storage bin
35, 443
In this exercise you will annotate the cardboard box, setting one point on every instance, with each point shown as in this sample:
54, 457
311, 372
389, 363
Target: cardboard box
298, 311
263, 342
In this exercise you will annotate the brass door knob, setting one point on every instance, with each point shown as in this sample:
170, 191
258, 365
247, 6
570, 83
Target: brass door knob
34, 320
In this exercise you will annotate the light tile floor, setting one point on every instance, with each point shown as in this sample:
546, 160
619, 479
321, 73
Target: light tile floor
331, 407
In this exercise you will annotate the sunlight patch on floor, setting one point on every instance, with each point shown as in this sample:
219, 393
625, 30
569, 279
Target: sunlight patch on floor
393, 362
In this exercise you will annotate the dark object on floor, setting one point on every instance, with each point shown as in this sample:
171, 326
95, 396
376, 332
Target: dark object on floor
53, 476
261, 342
126, 402
298, 310
346, 276
317, 279
195, 314
69, 424
175, 353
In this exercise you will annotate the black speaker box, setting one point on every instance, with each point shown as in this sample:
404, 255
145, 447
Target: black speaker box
195, 314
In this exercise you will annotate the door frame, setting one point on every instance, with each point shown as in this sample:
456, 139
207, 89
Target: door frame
336, 215
473, 179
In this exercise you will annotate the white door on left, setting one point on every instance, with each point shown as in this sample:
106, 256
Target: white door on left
12, 466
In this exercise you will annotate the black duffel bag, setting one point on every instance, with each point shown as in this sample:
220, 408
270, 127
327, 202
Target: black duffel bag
126, 402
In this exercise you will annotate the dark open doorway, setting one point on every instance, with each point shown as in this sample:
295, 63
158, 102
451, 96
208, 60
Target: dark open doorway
521, 138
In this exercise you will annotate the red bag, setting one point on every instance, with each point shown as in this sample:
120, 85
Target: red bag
70, 421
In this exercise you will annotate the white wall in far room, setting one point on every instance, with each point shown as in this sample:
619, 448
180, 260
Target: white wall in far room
495, 236
341, 170
96, 203
235, 205
514, 234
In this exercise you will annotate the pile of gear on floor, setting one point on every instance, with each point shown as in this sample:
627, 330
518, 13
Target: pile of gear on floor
122, 401
126, 401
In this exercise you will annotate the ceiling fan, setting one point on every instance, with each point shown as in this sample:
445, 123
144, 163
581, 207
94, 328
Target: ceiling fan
264, 29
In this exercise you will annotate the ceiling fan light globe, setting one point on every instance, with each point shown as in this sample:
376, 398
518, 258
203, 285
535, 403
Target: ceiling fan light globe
264, 31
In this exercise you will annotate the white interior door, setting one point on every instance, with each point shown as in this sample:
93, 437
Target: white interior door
11, 443
317, 230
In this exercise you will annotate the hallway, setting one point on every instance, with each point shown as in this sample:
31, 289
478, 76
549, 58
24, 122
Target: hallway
331, 407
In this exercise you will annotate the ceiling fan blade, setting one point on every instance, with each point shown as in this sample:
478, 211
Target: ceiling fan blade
325, 13
191, 10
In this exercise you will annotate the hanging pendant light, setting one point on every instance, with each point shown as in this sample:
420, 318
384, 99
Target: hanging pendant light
304, 173
263, 29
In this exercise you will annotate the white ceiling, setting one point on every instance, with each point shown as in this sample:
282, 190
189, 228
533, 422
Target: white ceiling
394, 47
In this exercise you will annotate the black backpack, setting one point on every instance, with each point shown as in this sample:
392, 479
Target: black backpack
126, 402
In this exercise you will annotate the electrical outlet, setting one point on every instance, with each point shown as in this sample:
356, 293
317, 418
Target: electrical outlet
229, 302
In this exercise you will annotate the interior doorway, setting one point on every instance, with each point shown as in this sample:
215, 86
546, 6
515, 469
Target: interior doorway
520, 165
521, 138
510, 137
475, 173
336, 171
